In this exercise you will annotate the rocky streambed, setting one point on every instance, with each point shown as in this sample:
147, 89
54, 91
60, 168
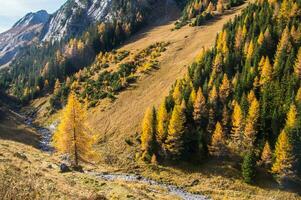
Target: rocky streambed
172, 189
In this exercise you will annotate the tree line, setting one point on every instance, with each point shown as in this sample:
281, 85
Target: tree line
242, 98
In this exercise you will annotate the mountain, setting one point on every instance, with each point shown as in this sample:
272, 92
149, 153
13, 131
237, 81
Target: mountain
72, 19
23, 33
75, 16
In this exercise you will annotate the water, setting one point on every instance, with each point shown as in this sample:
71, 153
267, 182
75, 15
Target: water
174, 190
46, 135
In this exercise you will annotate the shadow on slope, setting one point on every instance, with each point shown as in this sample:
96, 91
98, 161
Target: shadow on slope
13, 128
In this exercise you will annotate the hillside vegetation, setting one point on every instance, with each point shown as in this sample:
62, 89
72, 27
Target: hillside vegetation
239, 100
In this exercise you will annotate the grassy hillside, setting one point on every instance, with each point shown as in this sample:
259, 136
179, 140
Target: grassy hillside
27, 173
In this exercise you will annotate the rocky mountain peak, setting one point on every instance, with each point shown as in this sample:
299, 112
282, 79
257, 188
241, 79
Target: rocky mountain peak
40, 17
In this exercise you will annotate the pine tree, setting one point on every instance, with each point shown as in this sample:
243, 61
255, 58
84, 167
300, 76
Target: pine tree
237, 126
248, 167
266, 155
218, 141
162, 123
176, 130
200, 109
148, 134
224, 89
283, 155
297, 66
73, 136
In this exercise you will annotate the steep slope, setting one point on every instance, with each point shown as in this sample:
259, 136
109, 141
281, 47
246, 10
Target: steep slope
23, 33
71, 20
120, 121
76, 16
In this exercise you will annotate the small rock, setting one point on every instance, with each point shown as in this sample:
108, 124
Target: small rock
195, 182
20, 156
64, 168
50, 166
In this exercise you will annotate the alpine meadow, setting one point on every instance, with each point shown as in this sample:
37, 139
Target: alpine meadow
151, 99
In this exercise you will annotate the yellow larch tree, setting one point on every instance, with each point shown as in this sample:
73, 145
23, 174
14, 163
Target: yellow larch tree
176, 129
199, 106
177, 93
250, 51
237, 126
260, 39
238, 38
224, 89
298, 96
250, 131
296, 33
73, 135
148, 133
213, 95
217, 64
192, 96
162, 127
283, 155
291, 118
284, 43
251, 96
266, 155
285, 10
218, 141
267, 72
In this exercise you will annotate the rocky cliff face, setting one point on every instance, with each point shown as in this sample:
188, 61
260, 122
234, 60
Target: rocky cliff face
23, 33
72, 19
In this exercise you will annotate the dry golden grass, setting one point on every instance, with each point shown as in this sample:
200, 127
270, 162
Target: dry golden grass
27, 173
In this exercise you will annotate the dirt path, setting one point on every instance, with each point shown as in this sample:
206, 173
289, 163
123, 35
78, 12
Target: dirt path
121, 120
